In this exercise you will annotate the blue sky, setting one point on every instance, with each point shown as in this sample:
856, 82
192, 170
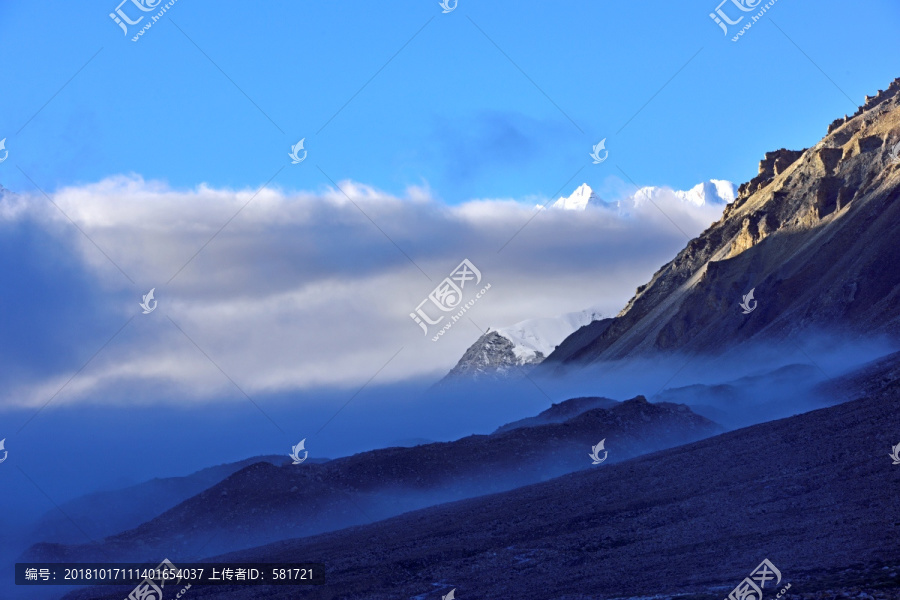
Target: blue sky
398, 94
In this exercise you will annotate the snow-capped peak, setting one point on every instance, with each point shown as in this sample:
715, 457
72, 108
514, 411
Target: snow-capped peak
714, 191
542, 335
579, 200
708, 193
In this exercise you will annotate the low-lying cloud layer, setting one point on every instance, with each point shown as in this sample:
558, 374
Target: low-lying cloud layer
280, 291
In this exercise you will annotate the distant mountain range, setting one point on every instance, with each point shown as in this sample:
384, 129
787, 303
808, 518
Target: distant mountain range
713, 192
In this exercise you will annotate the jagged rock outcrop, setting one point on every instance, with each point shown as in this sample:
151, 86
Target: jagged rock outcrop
813, 233
775, 163
870, 103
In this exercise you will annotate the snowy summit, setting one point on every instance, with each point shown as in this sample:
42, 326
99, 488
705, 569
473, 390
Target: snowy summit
709, 193
583, 197
506, 351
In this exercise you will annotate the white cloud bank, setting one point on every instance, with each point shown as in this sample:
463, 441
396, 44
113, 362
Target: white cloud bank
312, 289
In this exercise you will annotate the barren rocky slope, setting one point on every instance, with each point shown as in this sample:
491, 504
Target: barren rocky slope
814, 233
814, 493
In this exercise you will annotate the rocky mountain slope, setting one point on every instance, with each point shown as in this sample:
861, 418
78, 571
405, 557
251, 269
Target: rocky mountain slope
814, 493
263, 502
813, 235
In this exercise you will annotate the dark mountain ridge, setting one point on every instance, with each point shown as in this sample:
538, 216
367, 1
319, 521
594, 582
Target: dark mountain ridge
560, 412
108, 512
264, 503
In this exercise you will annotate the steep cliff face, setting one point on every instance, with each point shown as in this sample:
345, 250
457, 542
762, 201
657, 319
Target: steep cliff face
813, 235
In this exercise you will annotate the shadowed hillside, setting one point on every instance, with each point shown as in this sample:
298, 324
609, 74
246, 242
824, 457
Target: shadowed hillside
815, 494
264, 502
